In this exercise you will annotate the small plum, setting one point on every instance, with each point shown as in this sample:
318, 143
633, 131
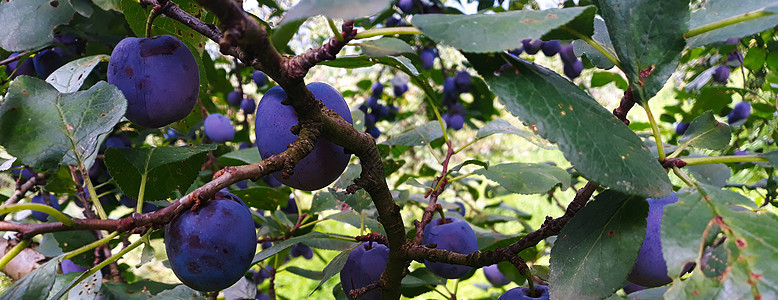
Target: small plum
261, 296
462, 81
400, 89
721, 74
41, 216
211, 248
456, 121
732, 41
364, 266
522, 293
248, 105
650, 269
680, 129
392, 21
494, 276
234, 98
218, 128
302, 250
550, 48
259, 78
406, 6
453, 235
450, 86
741, 111
291, 207
46, 62
567, 54
370, 120
377, 90
374, 132
530, 46
273, 131
427, 58
383, 111
68, 266
14, 69
372, 102
573, 70
158, 76
734, 59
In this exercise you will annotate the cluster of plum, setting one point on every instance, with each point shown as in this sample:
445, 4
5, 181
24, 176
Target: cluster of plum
736, 116
375, 111
48, 60
452, 87
734, 60
572, 65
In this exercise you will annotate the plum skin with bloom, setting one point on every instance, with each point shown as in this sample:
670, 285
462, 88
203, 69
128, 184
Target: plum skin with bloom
218, 128
364, 265
273, 131
522, 293
650, 269
454, 235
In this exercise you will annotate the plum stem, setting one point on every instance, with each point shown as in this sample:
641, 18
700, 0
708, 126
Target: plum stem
655, 131
334, 29
155, 11
387, 31
692, 161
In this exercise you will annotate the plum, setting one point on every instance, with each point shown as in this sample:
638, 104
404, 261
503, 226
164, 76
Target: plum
364, 266
41, 216
302, 250
406, 6
370, 120
530, 46
455, 121
273, 131
650, 269
377, 90
573, 70
218, 128
400, 89
721, 74
462, 82
522, 293
450, 86
382, 111
291, 207
567, 54
14, 69
259, 78
453, 235
494, 276
741, 111
68, 266
46, 62
734, 59
211, 248
427, 58
680, 129
261, 296
158, 76
550, 48
631, 288
374, 132
234, 98
248, 105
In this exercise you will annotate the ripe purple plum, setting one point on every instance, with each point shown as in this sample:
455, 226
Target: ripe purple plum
400, 89
234, 98
680, 129
291, 207
573, 70
734, 59
741, 111
68, 266
248, 105
302, 250
550, 48
41, 216
218, 128
650, 269
631, 288
522, 293
453, 235
46, 62
427, 58
273, 131
211, 248
462, 82
494, 276
455, 121
158, 76
567, 54
259, 78
374, 132
450, 86
364, 266
460, 208
377, 90
530, 46
721, 74
15, 69
406, 6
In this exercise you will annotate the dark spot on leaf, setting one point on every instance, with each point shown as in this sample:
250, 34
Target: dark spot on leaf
54, 3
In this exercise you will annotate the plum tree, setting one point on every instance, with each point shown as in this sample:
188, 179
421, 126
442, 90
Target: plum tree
741, 111
494, 276
364, 265
41, 216
211, 248
650, 269
158, 76
218, 128
453, 235
523, 293
326, 162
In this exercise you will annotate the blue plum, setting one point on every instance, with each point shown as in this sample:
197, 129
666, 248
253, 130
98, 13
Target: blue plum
374, 132
574, 69
550, 48
522, 293
453, 235
450, 86
460, 208
455, 121
291, 207
273, 131
741, 111
721, 74
427, 58
567, 54
158, 76
364, 266
650, 269
261, 296
494, 276
400, 89
302, 250
370, 120
218, 128
46, 62
68, 266
631, 288
41, 216
15, 69
681, 127
406, 6
248, 105
259, 78
211, 248
734, 59
377, 90
462, 81
234, 98
530, 46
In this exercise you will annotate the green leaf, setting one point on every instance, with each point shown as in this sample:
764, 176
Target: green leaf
385, 47
165, 169
87, 288
602, 78
82, 7
353, 218
359, 200
706, 132
772, 157
596, 57
418, 136
336, 9
310, 274
71, 76
646, 35
712, 174
502, 31
35, 285
682, 225
108, 4
180, 292
333, 268
309, 239
526, 178
284, 33
350, 62
597, 249
29, 24
502, 126
240, 157
45, 128
714, 11
322, 201
263, 197
564, 114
